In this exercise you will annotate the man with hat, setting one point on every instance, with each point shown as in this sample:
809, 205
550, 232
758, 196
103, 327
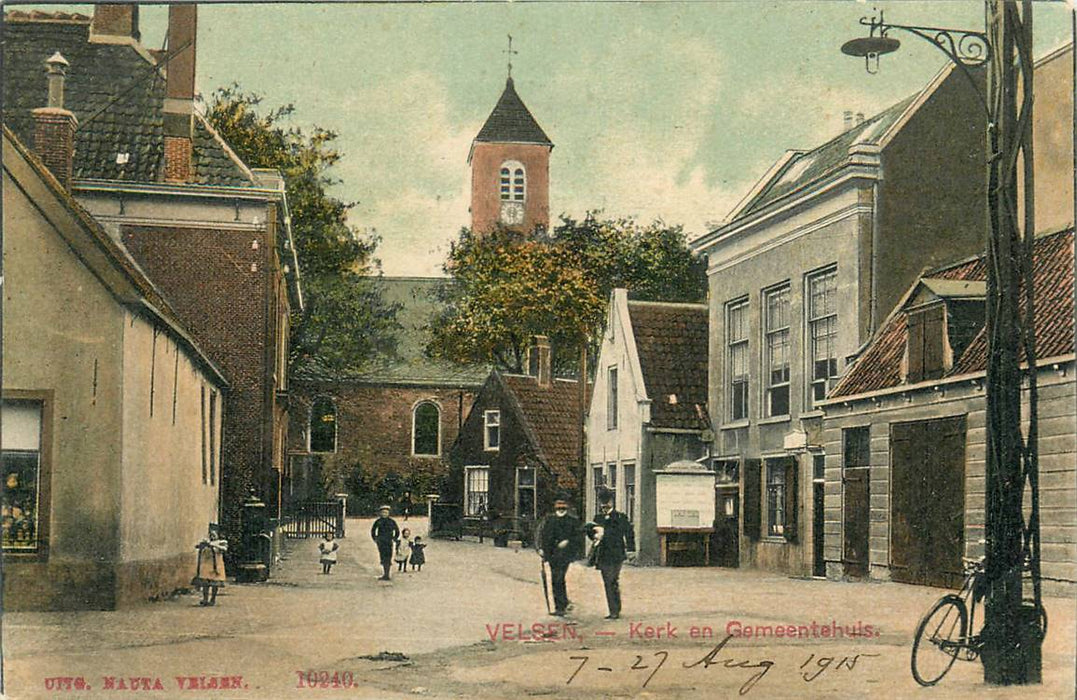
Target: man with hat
610, 548
559, 545
385, 533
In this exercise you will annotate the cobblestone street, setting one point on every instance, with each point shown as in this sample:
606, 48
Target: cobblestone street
465, 626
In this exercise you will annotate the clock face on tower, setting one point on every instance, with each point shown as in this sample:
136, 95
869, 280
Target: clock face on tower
512, 212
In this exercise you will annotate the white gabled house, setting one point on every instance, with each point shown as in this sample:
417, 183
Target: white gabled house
648, 411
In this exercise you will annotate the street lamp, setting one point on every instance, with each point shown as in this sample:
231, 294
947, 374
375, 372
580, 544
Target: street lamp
1011, 635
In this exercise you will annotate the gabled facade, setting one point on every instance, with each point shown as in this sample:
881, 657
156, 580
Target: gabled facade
396, 418
213, 235
801, 276
648, 410
904, 430
510, 169
519, 448
111, 412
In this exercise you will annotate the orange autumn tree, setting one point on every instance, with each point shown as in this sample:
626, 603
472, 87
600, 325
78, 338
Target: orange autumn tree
507, 287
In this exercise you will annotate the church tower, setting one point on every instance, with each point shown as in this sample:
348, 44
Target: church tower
510, 168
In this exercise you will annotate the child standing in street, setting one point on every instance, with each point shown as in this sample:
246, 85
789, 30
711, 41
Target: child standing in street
403, 545
209, 570
328, 548
418, 558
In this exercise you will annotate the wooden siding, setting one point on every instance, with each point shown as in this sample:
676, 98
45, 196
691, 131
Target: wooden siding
1058, 447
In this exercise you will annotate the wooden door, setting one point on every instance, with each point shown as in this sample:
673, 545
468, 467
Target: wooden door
927, 506
857, 512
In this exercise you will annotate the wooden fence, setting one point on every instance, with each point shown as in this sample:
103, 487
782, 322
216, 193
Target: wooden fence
314, 519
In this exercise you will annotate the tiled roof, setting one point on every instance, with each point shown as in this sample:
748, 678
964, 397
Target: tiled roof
553, 417
819, 162
116, 93
671, 340
114, 255
879, 367
417, 303
512, 122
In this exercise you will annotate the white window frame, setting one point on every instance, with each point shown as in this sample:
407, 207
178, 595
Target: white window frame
533, 487
776, 338
468, 481
629, 486
823, 322
512, 181
414, 415
775, 494
491, 419
737, 343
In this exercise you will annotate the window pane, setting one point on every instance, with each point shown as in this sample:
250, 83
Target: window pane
427, 428
323, 426
20, 518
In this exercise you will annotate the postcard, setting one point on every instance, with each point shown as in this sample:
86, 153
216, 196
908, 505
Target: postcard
538, 349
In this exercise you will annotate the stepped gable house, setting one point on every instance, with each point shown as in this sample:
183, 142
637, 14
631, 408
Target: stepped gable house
111, 412
211, 234
398, 416
648, 411
802, 275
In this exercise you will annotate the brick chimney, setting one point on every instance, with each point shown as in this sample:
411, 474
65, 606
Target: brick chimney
54, 126
538, 360
114, 21
179, 94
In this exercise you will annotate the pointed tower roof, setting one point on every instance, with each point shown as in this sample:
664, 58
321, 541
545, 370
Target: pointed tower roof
511, 122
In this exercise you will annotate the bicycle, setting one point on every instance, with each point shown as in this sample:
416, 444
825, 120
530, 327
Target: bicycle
947, 627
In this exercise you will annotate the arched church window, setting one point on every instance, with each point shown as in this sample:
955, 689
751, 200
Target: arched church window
513, 181
323, 425
426, 430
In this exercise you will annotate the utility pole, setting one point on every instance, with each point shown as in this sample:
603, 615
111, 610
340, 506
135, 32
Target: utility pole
1011, 635
1013, 629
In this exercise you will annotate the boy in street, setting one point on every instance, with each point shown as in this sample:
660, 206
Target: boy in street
610, 552
385, 533
558, 545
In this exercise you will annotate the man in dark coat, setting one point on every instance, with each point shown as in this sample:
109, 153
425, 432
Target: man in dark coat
611, 549
385, 533
559, 544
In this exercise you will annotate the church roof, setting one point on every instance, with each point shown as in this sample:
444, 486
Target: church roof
512, 122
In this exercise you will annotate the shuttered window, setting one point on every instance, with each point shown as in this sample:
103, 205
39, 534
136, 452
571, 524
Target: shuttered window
752, 498
926, 350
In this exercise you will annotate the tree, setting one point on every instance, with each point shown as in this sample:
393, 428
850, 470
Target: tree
507, 287
345, 320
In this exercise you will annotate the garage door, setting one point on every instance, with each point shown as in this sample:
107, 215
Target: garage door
927, 505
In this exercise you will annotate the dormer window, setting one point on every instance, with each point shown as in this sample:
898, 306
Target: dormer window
945, 317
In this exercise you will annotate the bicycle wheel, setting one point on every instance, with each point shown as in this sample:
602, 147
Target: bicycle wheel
940, 636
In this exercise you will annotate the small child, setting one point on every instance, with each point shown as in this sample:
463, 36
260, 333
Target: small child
402, 546
209, 570
328, 548
417, 556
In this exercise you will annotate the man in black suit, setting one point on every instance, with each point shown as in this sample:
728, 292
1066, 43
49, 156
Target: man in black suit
385, 533
617, 538
559, 544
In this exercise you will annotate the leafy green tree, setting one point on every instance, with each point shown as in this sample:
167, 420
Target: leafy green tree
345, 320
507, 287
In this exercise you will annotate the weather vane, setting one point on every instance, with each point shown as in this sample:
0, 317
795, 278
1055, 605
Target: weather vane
510, 53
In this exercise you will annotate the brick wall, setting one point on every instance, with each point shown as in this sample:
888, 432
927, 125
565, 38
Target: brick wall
374, 426
219, 284
486, 184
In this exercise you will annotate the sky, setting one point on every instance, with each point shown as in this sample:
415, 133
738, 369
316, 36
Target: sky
658, 110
